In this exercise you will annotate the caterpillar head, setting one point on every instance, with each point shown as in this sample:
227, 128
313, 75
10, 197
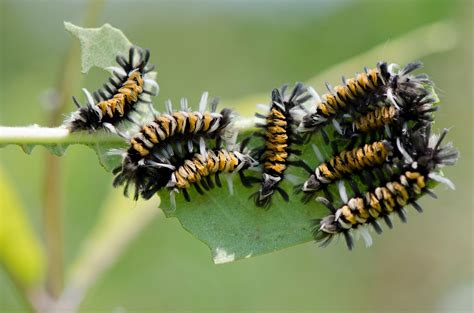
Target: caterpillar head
429, 152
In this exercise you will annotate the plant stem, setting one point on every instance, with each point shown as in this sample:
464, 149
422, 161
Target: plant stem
36, 135
52, 225
67, 80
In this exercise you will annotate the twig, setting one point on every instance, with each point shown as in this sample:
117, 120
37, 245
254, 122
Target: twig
52, 224
36, 135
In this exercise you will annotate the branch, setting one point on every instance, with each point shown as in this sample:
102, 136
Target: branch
37, 135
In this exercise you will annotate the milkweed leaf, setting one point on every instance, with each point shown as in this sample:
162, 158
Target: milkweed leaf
99, 46
234, 228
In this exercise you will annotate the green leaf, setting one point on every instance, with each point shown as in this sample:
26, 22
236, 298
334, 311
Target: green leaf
231, 225
99, 46
20, 250
234, 228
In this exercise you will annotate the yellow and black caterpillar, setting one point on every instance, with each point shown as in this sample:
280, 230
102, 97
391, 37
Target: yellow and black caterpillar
156, 141
119, 97
375, 87
279, 135
412, 113
422, 164
199, 170
348, 163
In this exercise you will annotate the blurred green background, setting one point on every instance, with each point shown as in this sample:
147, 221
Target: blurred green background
235, 49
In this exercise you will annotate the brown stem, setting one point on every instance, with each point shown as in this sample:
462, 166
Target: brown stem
52, 225
68, 79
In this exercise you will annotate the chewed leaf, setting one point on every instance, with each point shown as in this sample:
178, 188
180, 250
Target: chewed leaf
234, 228
99, 46
20, 250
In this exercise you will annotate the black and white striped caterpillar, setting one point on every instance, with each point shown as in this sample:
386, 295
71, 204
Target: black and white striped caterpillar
174, 132
347, 163
129, 85
422, 162
201, 168
279, 134
381, 86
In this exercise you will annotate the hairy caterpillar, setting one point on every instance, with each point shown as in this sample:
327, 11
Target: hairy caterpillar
346, 163
113, 104
198, 171
279, 134
156, 141
375, 87
423, 161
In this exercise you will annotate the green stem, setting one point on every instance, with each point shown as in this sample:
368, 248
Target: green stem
36, 135
68, 79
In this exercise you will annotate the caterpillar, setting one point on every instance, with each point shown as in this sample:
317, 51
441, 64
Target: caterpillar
129, 85
347, 162
198, 171
412, 113
157, 140
377, 86
375, 119
426, 157
279, 135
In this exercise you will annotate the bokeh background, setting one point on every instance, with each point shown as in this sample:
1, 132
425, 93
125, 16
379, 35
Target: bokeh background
235, 49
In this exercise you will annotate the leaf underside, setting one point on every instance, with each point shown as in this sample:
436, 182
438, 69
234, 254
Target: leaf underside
234, 228
99, 46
